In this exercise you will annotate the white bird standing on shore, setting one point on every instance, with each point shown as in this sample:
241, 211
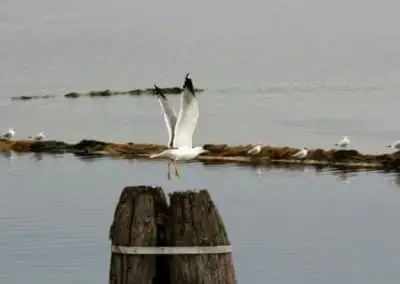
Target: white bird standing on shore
255, 150
302, 154
395, 145
40, 136
344, 142
8, 134
180, 129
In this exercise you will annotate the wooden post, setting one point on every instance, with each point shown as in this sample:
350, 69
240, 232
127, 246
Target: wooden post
156, 244
194, 221
137, 217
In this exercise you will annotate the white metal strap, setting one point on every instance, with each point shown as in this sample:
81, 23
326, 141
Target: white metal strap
171, 250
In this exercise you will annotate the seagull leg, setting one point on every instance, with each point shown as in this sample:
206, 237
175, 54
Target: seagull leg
176, 170
169, 170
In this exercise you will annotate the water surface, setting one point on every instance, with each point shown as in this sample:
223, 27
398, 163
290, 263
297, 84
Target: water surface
285, 227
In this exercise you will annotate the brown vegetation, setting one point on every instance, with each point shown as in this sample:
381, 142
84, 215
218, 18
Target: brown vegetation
218, 154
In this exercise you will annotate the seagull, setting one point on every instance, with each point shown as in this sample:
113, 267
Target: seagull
8, 134
344, 142
180, 128
395, 145
39, 137
255, 150
301, 154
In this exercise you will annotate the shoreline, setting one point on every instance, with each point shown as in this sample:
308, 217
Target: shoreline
218, 154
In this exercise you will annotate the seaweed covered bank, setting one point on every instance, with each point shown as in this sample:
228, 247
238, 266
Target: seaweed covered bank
105, 93
217, 154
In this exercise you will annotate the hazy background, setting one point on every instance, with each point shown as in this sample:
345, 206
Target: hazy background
295, 73
51, 46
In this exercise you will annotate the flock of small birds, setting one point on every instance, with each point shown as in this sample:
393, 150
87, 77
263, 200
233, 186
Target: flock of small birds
255, 150
303, 153
10, 133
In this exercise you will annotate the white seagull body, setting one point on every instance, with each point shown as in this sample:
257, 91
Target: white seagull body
302, 154
395, 145
255, 150
8, 134
344, 142
39, 137
180, 128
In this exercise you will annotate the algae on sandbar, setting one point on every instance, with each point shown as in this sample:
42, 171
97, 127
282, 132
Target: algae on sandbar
218, 154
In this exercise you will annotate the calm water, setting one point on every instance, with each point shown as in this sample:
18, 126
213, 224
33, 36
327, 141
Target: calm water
275, 72
286, 227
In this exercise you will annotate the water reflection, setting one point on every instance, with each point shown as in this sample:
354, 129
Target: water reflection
7, 154
37, 156
342, 175
396, 179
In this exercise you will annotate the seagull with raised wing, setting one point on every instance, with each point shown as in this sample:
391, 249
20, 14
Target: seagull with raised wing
180, 128
395, 145
8, 134
255, 150
344, 142
301, 154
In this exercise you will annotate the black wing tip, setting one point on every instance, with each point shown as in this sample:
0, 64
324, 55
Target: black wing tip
188, 83
158, 92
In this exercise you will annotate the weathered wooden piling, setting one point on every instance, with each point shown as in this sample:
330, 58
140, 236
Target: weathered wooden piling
154, 243
194, 221
136, 217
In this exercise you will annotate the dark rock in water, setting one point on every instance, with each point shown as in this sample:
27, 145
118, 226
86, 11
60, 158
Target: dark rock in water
72, 95
49, 147
28, 98
91, 145
135, 92
105, 93
172, 90
22, 98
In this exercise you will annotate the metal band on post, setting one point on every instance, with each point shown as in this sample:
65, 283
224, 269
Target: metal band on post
171, 250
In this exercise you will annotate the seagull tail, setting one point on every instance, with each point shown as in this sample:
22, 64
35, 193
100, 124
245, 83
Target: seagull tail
152, 156
157, 155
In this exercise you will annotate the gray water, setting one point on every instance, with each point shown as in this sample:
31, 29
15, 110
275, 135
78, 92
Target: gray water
285, 227
278, 73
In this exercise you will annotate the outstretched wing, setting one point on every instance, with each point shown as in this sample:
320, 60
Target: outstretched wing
188, 116
168, 113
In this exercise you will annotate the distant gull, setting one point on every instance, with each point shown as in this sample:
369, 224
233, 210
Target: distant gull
395, 145
344, 142
302, 154
255, 150
8, 134
39, 137
180, 129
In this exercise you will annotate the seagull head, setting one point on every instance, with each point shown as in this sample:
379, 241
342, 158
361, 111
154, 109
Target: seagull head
188, 84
